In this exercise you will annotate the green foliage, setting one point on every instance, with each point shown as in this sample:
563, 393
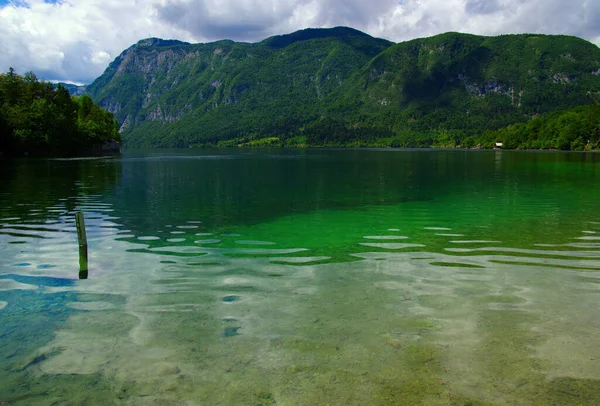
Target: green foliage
95, 123
36, 117
341, 87
573, 129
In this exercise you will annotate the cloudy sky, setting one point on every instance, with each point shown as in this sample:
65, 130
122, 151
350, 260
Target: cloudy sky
74, 40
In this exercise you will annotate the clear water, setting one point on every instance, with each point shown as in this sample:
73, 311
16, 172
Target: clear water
299, 277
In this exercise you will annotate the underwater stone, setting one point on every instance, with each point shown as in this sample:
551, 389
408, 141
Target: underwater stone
230, 298
231, 331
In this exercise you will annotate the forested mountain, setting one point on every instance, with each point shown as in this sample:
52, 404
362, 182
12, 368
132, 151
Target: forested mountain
39, 118
342, 87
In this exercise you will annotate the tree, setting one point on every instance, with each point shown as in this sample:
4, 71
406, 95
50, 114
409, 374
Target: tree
38, 117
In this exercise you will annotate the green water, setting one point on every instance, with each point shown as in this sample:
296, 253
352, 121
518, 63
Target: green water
302, 277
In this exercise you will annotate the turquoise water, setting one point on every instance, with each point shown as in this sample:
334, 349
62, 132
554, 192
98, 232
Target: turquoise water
298, 277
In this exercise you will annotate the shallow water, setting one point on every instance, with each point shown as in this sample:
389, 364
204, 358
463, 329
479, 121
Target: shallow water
302, 277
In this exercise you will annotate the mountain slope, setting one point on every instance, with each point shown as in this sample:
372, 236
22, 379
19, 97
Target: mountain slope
178, 94
471, 82
328, 86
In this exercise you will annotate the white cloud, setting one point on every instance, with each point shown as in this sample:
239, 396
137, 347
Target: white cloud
76, 39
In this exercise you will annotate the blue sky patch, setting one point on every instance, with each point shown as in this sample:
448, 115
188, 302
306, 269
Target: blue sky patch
22, 3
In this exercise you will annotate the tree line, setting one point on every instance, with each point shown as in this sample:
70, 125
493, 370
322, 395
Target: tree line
575, 129
39, 118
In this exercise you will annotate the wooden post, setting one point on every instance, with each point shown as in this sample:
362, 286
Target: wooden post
83, 248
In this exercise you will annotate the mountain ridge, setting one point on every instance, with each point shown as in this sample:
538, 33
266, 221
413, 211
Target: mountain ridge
172, 93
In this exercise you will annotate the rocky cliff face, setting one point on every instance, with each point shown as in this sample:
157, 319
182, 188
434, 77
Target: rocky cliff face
171, 93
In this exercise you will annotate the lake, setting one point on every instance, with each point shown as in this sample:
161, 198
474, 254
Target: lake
302, 277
